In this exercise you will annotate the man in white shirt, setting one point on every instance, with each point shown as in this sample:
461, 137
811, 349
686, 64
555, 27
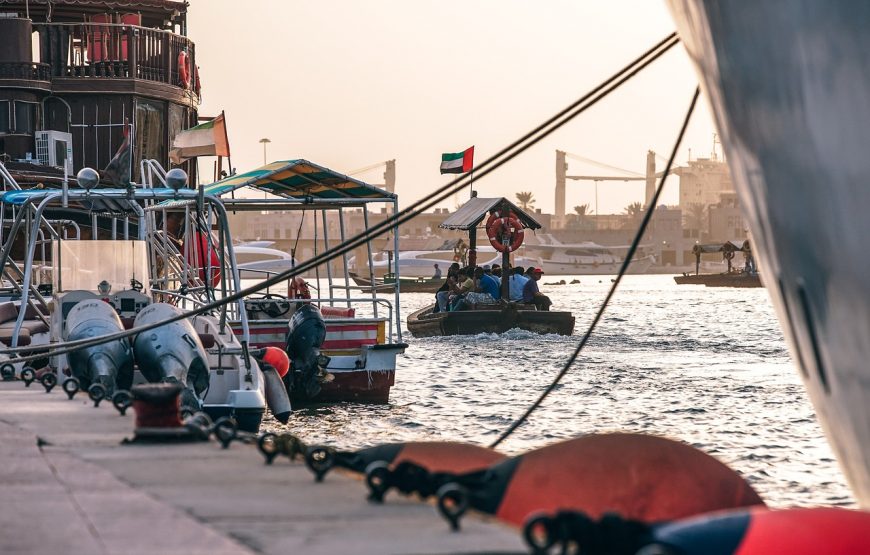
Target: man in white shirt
517, 282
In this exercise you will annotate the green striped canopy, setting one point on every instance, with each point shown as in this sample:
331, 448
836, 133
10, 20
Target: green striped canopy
298, 179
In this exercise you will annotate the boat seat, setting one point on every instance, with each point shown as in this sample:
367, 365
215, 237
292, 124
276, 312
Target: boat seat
23, 337
337, 312
8, 311
32, 326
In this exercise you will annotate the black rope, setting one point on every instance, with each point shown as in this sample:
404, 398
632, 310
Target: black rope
491, 164
625, 263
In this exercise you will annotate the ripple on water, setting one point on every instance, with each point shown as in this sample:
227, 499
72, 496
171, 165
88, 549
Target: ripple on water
705, 366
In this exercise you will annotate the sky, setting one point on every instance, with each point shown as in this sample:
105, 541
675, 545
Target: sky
349, 83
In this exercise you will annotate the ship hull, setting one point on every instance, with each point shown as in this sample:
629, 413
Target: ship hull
789, 86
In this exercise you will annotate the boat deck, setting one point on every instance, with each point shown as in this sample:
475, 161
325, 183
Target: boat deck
70, 486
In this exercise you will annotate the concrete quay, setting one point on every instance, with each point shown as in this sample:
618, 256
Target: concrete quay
68, 485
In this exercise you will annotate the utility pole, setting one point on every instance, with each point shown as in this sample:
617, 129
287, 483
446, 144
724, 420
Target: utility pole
561, 173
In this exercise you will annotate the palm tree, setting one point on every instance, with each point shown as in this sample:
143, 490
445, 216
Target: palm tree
526, 200
633, 211
695, 217
582, 210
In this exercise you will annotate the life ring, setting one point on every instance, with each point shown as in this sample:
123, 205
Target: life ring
497, 227
183, 69
298, 289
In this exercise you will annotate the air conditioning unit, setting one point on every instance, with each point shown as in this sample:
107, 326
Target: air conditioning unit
54, 148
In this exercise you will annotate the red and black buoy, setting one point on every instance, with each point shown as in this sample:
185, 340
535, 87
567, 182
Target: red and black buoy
640, 477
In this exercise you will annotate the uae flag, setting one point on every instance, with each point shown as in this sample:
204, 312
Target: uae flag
457, 162
206, 139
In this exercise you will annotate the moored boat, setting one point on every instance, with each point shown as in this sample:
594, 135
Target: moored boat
406, 284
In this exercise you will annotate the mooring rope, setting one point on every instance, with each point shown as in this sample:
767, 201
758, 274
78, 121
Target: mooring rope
622, 269
488, 166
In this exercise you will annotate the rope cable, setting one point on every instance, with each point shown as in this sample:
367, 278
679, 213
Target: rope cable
623, 268
488, 166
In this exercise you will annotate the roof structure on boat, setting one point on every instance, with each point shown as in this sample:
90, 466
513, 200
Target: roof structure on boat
731, 246
470, 214
95, 200
300, 180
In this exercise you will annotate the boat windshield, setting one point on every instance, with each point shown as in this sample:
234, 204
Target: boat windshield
83, 265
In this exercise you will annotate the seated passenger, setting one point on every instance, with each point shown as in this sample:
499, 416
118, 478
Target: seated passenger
517, 282
496, 270
531, 294
465, 287
450, 286
485, 290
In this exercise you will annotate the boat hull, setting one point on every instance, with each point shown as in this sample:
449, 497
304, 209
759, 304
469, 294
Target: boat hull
424, 323
789, 87
720, 280
421, 285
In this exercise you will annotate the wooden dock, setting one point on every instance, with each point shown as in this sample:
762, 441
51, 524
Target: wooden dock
70, 486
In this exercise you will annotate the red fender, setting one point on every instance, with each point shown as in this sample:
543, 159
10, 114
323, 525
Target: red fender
640, 477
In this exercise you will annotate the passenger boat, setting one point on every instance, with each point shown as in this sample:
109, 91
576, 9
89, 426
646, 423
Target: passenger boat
573, 259
790, 90
360, 345
257, 259
501, 316
141, 277
732, 277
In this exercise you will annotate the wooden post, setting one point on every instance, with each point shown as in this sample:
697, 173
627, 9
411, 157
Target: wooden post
472, 247
132, 52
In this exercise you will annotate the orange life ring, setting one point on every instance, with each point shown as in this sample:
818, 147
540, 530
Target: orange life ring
197, 86
497, 227
299, 289
184, 69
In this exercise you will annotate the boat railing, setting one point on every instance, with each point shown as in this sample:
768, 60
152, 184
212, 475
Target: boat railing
356, 300
28, 71
106, 50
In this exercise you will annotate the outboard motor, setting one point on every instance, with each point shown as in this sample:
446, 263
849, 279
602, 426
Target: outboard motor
306, 334
109, 364
172, 353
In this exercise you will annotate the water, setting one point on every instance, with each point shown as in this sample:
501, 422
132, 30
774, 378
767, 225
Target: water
706, 366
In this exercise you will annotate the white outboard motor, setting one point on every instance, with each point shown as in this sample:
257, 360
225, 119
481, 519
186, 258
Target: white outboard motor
172, 353
108, 364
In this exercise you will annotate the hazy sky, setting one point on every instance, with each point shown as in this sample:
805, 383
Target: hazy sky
350, 83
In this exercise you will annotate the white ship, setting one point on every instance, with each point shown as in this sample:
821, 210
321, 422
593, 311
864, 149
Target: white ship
585, 258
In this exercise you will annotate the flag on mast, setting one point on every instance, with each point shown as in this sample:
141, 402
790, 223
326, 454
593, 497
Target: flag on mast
458, 162
206, 139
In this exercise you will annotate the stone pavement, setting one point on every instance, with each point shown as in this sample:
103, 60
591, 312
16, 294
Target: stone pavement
69, 486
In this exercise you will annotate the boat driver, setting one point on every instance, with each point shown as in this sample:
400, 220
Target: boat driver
531, 293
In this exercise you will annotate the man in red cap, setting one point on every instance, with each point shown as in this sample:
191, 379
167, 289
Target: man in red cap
531, 293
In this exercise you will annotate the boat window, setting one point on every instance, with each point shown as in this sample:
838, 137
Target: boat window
25, 117
77, 271
4, 116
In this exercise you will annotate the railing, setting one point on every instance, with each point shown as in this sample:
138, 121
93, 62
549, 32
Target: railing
113, 51
25, 70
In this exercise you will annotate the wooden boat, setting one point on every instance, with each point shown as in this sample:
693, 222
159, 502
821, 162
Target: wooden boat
733, 279
496, 318
406, 284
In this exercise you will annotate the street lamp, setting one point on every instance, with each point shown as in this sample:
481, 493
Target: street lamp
265, 141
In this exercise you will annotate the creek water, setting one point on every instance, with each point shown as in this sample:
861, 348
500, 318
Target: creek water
707, 366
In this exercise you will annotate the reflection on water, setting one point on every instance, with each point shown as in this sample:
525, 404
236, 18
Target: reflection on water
706, 366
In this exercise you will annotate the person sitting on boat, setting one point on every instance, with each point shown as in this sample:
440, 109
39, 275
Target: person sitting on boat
496, 270
465, 286
517, 283
486, 290
449, 287
531, 293
437, 274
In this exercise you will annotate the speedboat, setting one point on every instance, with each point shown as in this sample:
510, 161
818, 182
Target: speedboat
257, 259
586, 258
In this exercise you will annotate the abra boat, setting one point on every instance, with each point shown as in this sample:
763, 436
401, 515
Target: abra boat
496, 318
406, 284
789, 86
747, 277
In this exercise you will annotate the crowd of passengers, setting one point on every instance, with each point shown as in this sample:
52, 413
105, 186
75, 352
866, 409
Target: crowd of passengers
469, 287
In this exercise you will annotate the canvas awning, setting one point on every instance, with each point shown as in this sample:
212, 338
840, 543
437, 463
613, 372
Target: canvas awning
472, 213
300, 180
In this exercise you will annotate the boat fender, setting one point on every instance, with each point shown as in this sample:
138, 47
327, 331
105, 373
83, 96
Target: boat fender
641, 477
184, 69
277, 359
199, 258
497, 228
798, 531
197, 86
276, 393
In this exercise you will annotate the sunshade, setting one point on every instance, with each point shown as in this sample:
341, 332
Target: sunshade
299, 179
470, 214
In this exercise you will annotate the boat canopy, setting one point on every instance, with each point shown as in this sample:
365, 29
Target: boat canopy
470, 214
300, 180
727, 246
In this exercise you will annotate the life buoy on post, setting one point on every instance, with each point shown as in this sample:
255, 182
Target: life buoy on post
506, 233
184, 69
